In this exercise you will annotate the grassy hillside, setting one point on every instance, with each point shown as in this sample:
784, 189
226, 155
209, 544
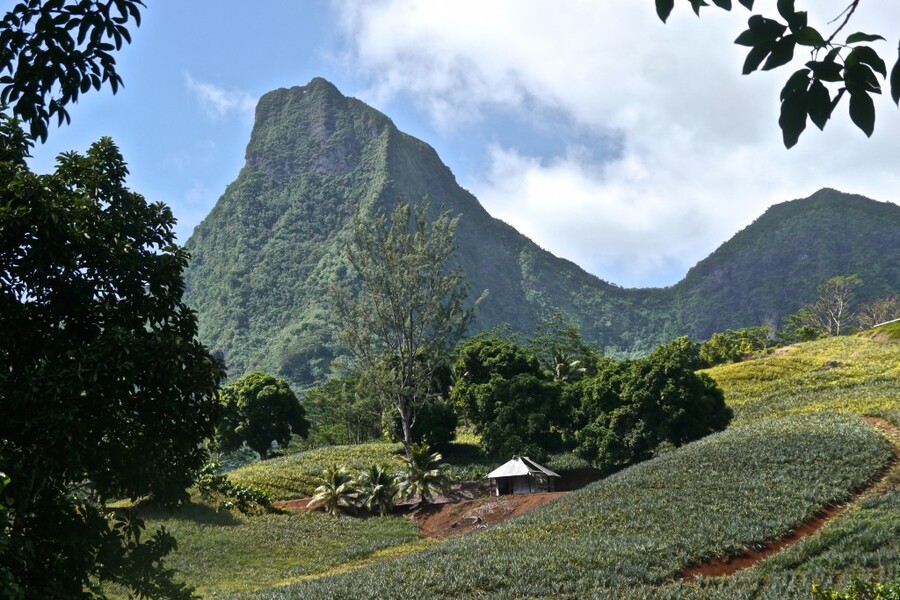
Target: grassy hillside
643, 525
797, 445
858, 374
224, 553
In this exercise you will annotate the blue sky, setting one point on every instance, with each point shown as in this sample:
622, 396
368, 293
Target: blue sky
629, 147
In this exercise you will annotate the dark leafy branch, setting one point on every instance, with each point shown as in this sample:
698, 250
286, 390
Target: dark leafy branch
51, 51
834, 70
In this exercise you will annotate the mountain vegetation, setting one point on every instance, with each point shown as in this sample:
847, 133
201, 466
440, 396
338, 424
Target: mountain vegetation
270, 251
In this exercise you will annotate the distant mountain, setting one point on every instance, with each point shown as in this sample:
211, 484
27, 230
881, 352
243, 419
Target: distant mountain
767, 270
265, 257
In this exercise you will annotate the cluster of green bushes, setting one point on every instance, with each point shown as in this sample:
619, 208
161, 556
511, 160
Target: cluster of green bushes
216, 488
612, 413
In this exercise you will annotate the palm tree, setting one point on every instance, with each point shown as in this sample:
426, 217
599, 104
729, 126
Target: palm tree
335, 490
565, 368
377, 489
423, 474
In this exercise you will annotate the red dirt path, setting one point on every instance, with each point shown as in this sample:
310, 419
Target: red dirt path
727, 565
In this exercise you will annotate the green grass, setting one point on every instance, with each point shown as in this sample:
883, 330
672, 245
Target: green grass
640, 527
294, 475
855, 374
626, 536
890, 331
224, 553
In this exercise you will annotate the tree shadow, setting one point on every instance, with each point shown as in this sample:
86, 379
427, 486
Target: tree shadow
192, 511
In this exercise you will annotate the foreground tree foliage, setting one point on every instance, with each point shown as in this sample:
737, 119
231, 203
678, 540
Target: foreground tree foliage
52, 50
258, 409
410, 307
106, 392
838, 66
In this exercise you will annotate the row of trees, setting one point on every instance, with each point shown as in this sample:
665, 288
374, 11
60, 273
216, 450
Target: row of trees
834, 311
612, 413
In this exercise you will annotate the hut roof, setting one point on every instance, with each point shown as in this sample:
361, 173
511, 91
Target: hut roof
519, 466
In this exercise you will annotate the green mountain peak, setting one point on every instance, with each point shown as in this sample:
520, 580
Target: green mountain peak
266, 256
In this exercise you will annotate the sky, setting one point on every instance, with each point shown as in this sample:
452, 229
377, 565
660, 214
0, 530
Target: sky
628, 146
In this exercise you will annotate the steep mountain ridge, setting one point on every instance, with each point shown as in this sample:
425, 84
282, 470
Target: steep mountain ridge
269, 251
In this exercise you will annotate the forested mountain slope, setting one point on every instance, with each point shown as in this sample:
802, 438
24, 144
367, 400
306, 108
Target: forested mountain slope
269, 251
772, 266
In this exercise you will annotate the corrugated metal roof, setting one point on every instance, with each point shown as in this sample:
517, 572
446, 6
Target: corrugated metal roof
519, 466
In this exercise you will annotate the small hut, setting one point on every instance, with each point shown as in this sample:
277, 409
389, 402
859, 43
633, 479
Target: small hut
521, 475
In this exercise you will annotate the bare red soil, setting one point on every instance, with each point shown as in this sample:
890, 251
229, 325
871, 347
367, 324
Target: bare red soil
448, 517
726, 565
444, 520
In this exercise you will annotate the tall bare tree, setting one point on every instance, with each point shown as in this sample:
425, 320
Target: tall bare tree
833, 310
878, 311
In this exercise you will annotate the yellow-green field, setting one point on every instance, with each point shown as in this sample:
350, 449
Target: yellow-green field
856, 374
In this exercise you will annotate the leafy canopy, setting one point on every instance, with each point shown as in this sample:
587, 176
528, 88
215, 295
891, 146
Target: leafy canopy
632, 408
53, 51
837, 67
259, 409
409, 308
106, 392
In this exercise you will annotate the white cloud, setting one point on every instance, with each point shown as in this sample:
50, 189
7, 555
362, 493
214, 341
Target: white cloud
218, 102
701, 151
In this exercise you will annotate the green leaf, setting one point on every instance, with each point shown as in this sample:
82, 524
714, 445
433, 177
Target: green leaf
818, 104
859, 36
664, 9
782, 53
748, 4
825, 71
808, 36
866, 55
766, 28
895, 82
697, 4
726, 4
796, 83
754, 58
860, 78
786, 9
749, 38
862, 112
798, 21
793, 118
